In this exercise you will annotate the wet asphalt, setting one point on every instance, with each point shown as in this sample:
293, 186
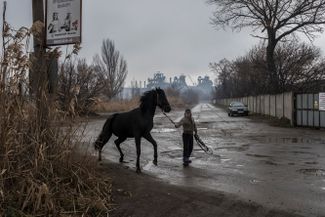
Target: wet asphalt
282, 168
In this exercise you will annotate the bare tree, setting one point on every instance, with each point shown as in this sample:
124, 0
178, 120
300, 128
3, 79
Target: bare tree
298, 68
90, 85
113, 67
278, 18
223, 70
79, 85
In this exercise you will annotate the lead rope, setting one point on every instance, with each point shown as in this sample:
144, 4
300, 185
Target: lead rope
180, 142
169, 118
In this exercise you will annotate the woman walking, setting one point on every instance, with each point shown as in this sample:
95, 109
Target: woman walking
188, 128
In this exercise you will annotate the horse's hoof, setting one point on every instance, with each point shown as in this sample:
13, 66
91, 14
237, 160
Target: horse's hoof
121, 160
155, 162
138, 171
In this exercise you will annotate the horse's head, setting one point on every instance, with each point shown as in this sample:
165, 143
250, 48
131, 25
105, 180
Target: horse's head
162, 101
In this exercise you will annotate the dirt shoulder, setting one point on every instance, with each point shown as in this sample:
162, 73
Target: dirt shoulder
142, 195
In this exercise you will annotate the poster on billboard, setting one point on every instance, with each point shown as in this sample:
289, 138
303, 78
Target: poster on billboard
63, 22
321, 102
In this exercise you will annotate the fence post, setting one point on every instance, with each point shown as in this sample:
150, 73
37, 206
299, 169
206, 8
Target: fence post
283, 105
269, 109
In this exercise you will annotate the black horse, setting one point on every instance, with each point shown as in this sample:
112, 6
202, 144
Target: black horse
136, 123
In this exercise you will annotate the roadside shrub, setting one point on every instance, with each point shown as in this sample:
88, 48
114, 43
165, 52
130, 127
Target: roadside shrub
79, 86
116, 105
42, 173
174, 98
172, 92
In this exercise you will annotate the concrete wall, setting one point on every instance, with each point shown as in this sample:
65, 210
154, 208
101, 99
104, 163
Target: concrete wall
280, 105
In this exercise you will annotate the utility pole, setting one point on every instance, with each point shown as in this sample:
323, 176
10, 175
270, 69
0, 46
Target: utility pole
37, 77
44, 71
3, 68
41, 78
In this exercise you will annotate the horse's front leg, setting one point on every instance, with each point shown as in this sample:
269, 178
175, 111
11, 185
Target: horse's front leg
138, 147
100, 155
154, 143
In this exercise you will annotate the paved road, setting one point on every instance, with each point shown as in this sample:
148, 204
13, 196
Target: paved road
278, 167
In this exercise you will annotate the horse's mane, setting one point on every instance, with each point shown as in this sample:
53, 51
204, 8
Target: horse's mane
146, 100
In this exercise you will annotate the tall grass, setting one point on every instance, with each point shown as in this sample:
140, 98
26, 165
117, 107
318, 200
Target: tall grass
116, 105
42, 173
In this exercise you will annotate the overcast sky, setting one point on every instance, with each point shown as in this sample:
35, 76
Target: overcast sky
171, 36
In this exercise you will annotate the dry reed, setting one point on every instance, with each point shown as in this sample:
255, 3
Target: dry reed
41, 171
116, 105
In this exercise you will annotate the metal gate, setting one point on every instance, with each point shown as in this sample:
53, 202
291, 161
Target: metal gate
307, 112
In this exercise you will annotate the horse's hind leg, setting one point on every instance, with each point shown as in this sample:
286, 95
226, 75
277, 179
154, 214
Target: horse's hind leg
102, 139
117, 142
138, 147
154, 143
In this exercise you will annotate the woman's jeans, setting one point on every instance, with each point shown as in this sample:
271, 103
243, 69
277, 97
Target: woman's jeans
187, 146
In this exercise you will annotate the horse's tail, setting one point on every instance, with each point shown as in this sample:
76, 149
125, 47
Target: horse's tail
105, 134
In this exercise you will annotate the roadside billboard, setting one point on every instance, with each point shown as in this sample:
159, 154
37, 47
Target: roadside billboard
63, 22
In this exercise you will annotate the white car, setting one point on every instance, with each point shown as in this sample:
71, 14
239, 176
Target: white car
237, 108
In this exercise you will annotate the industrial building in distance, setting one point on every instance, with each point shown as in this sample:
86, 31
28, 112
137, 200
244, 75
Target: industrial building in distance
203, 87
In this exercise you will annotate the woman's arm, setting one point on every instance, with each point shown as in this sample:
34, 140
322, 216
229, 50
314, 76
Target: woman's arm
180, 123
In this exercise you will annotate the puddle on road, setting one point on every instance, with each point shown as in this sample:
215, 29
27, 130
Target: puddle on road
268, 162
202, 128
173, 153
311, 162
234, 148
229, 143
225, 160
305, 148
207, 162
148, 166
288, 140
258, 155
304, 153
178, 153
284, 140
312, 172
163, 130
254, 181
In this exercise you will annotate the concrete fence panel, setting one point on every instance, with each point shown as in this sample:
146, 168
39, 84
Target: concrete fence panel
272, 105
261, 104
280, 105
289, 106
251, 103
